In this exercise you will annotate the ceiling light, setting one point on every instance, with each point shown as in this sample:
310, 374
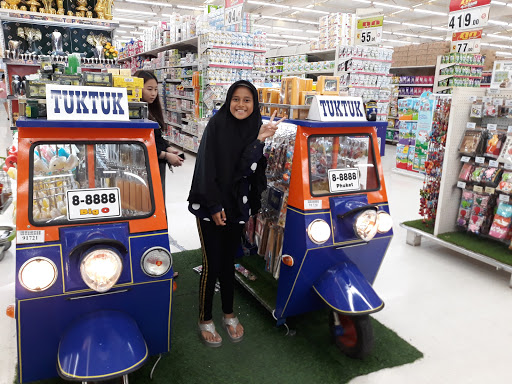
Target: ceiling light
150, 3
497, 22
499, 36
278, 45
430, 12
189, 7
166, 14
263, 26
362, 1
296, 37
153, 22
503, 53
397, 12
500, 46
404, 34
311, 31
308, 22
416, 25
309, 10
277, 18
268, 4
124, 19
391, 22
137, 33
135, 12
431, 37
439, 28
498, 2
390, 5
120, 31
288, 29
397, 41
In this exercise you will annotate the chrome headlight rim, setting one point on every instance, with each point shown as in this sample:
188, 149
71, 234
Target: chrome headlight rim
36, 259
145, 255
380, 214
309, 231
89, 253
373, 232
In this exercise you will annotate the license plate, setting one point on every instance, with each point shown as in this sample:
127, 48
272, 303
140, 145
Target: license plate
94, 203
343, 180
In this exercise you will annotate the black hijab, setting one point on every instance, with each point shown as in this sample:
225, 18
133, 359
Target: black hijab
221, 148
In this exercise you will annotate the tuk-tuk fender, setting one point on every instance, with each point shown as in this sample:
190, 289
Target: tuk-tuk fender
101, 345
345, 289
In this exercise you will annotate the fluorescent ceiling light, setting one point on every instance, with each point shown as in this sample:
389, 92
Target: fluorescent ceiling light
416, 25
127, 37
499, 36
390, 5
308, 10
209, 1
500, 46
388, 46
296, 37
498, 2
124, 19
404, 34
431, 37
137, 33
278, 45
503, 53
153, 22
189, 7
387, 32
397, 41
497, 22
362, 1
135, 12
439, 28
308, 22
430, 12
150, 3
311, 31
288, 29
120, 31
391, 22
166, 14
268, 4
263, 26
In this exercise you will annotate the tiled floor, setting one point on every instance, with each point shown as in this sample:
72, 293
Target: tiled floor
456, 311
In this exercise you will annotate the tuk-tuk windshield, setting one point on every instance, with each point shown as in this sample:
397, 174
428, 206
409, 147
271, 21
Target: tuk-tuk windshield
341, 164
77, 182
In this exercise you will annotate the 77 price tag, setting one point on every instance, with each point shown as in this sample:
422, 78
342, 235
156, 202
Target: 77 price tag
233, 15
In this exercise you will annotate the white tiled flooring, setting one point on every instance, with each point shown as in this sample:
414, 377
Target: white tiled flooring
456, 311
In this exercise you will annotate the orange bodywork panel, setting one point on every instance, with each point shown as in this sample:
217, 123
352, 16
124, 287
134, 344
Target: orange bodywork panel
29, 136
299, 183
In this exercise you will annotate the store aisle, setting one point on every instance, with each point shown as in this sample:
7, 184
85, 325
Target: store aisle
455, 310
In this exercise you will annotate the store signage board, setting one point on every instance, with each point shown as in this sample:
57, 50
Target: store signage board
337, 108
466, 41
233, 11
369, 30
470, 18
459, 5
502, 75
68, 102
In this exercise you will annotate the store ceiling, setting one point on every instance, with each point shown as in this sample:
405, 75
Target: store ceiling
293, 22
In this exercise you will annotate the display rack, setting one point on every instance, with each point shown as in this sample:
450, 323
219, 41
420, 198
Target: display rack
439, 77
191, 43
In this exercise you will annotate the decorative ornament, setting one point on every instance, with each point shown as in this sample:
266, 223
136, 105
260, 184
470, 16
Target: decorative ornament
34, 5
11, 4
81, 8
97, 41
57, 44
100, 8
60, 7
31, 35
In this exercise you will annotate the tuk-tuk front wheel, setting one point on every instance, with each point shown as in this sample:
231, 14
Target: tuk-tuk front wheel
353, 335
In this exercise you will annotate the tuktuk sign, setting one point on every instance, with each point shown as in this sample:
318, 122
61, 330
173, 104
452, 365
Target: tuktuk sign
337, 108
68, 102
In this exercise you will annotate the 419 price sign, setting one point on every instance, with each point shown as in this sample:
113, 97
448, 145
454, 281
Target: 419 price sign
469, 19
343, 180
233, 15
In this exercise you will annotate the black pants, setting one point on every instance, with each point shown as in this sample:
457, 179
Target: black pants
219, 245
162, 165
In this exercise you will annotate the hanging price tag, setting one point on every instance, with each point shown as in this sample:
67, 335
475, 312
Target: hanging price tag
492, 127
493, 163
498, 101
478, 189
472, 98
507, 166
504, 198
465, 159
489, 190
470, 125
508, 103
509, 129
479, 160
469, 18
486, 99
461, 184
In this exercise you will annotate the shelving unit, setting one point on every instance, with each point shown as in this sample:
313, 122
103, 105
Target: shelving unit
191, 44
439, 77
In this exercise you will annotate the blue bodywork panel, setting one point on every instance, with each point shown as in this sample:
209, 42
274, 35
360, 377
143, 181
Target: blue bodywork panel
85, 350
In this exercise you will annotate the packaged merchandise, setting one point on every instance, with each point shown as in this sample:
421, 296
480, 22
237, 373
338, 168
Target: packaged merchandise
466, 202
501, 222
476, 109
471, 142
506, 151
489, 109
491, 176
505, 184
479, 213
477, 174
494, 143
466, 171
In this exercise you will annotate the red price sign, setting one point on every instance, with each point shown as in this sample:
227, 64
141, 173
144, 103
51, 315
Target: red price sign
459, 5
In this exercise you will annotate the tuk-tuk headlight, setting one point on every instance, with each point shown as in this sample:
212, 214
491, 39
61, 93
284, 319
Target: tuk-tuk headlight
156, 262
365, 225
384, 222
100, 269
319, 231
37, 274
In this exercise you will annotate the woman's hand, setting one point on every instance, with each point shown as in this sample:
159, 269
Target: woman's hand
173, 159
219, 218
270, 128
171, 150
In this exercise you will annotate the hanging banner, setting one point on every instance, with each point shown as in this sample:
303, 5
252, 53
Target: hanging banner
459, 5
425, 116
466, 42
469, 18
369, 30
502, 75
233, 10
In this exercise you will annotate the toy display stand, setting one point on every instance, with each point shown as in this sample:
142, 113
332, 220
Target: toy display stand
449, 193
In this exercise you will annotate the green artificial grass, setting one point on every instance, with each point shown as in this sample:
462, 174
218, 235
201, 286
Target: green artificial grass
266, 354
427, 226
491, 248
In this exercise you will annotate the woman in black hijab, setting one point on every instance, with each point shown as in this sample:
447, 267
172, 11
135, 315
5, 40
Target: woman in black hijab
229, 177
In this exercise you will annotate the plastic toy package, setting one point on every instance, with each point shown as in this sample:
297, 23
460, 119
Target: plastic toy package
506, 151
491, 176
476, 110
494, 143
466, 171
477, 174
501, 222
489, 109
471, 142
479, 213
505, 185
466, 202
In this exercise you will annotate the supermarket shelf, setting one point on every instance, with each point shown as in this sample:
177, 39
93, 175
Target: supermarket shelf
415, 85
391, 129
443, 77
362, 86
188, 121
181, 97
180, 110
442, 66
341, 59
174, 80
37, 63
363, 73
174, 124
212, 65
234, 47
219, 83
414, 66
176, 45
405, 172
57, 20
330, 71
483, 84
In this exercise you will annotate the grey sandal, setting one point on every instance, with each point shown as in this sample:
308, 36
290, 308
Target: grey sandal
209, 327
233, 322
